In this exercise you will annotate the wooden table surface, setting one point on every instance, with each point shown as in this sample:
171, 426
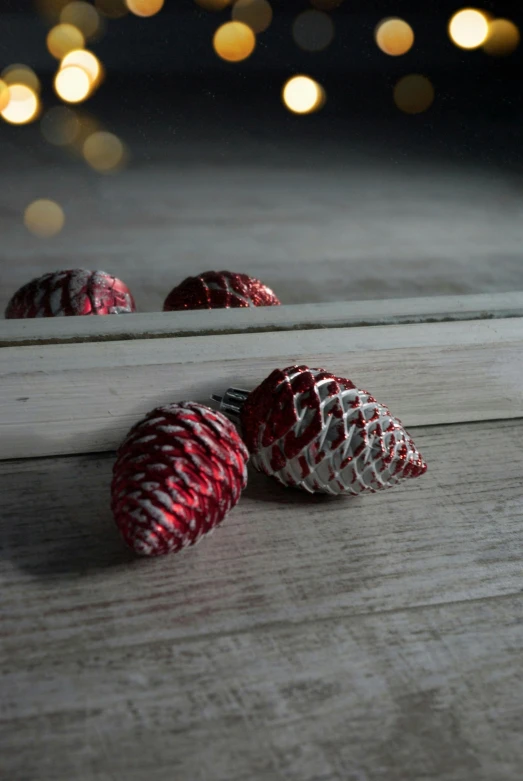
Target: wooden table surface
309, 639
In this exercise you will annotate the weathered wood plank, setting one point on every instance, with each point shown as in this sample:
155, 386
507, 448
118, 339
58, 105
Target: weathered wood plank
340, 314
310, 638
70, 398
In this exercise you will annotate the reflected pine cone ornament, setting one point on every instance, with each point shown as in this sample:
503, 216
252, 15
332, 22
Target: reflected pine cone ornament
176, 476
219, 290
69, 293
311, 429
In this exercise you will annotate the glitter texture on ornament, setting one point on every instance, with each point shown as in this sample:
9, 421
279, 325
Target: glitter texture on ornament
177, 474
69, 293
311, 429
219, 290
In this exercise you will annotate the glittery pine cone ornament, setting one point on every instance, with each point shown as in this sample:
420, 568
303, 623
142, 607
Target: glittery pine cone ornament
219, 290
69, 293
310, 429
177, 474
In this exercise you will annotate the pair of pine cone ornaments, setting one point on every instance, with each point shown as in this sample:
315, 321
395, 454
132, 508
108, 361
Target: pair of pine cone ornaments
183, 467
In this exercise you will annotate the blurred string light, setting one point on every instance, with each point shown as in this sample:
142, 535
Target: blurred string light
86, 60
44, 218
257, 14
503, 38
145, 7
63, 38
23, 105
313, 30
83, 16
112, 9
104, 152
213, 5
234, 41
413, 94
21, 74
51, 9
303, 95
469, 28
4, 95
60, 126
394, 36
72, 84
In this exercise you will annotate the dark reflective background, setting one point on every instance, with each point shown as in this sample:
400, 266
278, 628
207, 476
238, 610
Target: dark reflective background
356, 200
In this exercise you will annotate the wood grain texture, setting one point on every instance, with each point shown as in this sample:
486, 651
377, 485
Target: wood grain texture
309, 639
292, 317
69, 398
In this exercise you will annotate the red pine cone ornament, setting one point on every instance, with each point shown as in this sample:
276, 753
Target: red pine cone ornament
219, 290
177, 474
310, 429
69, 293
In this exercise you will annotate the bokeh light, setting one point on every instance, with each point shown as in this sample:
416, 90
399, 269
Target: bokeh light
4, 95
313, 30
72, 84
60, 126
21, 74
303, 95
44, 218
257, 14
112, 9
394, 37
23, 106
87, 61
413, 94
145, 7
213, 5
234, 41
82, 15
469, 28
51, 9
503, 38
104, 152
63, 38
326, 5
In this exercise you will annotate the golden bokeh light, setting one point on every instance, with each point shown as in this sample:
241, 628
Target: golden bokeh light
145, 7
394, 37
104, 152
82, 15
51, 8
313, 30
413, 94
469, 28
60, 126
44, 218
21, 74
63, 38
23, 106
503, 38
72, 84
234, 41
303, 95
326, 5
86, 60
112, 9
257, 14
4, 95
213, 5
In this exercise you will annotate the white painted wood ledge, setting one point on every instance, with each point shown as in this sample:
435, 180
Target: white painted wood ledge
341, 314
74, 398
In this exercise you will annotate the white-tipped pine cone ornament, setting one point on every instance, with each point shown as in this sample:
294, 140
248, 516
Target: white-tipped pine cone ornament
219, 290
69, 293
176, 476
311, 429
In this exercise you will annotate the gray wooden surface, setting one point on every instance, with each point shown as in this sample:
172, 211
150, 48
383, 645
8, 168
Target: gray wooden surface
310, 639
316, 223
